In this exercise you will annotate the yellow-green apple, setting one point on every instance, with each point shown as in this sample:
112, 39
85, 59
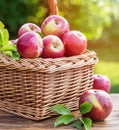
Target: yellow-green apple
101, 104
56, 25
30, 45
75, 43
28, 27
53, 47
101, 82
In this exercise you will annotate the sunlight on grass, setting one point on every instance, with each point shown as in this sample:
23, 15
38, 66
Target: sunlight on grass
111, 69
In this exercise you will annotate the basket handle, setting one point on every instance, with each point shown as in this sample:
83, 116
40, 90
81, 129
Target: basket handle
53, 6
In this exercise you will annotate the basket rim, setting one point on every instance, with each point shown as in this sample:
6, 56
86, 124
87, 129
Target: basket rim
49, 64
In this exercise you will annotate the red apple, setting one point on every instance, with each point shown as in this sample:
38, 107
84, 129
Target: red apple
30, 45
75, 43
53, 47
28, 27
56, 25
101, 102
101, 82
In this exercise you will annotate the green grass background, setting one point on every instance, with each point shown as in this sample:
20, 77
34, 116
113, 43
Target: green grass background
108, 64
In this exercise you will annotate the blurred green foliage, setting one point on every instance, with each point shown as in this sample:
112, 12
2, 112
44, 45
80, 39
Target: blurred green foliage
92, 17
14, 13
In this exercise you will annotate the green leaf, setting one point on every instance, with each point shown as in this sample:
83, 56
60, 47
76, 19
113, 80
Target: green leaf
8, 53
8, 47
85, 107
64, 119
87, 122
78, 125
61, 109
15, 55
6, 36
1, 37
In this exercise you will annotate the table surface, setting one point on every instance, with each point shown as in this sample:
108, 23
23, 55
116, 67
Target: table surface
13, 122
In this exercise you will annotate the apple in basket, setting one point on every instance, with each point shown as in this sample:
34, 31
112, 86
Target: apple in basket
30, 45
101, 104
75, 43
53, 47
101, 82
56, 25
28, 27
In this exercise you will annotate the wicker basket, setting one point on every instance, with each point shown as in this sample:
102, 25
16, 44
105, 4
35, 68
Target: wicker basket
29, 87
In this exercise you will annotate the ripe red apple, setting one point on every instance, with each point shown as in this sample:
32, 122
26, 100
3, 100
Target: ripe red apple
101, 102
75, 43
56, 25
53, 47
28, 27
30, 45
101, 82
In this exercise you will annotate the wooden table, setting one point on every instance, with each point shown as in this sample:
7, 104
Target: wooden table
13, 122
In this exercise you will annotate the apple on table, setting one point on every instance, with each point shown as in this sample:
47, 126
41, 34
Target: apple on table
101, 82
101, 104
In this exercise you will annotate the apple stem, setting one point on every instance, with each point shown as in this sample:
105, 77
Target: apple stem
53, 6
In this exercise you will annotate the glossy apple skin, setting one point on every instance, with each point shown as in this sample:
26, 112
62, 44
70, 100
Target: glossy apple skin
28, 27
101, 102
30, 45
55, 25
101, 82
53, 47
75, 43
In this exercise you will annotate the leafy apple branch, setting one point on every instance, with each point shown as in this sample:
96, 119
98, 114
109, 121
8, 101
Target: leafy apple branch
6, 47
66, 117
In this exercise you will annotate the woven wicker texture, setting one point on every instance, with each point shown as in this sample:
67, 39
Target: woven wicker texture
29, 87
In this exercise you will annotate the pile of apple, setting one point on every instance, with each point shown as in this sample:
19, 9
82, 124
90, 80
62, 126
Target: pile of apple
53, 39
99, 97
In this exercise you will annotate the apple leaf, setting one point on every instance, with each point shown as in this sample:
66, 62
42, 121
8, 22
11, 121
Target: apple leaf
78, 125
1, 33
5, 47
64, 119
61, 109
85, 107
1, 37
8, 47
8, 53
14, 55
4, 35
87, 122
67, 117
